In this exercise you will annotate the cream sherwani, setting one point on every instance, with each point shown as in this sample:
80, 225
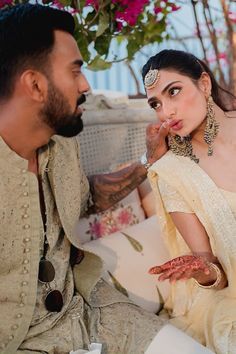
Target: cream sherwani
25, 325
209, 315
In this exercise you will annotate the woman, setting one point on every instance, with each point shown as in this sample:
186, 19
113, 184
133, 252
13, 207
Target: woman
195, 189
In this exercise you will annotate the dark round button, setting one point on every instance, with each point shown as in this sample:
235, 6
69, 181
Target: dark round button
46, 271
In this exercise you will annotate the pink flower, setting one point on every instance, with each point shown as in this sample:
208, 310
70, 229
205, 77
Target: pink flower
128, 11
158, 10
93, 3
58, 5
113, 228
125, 217
174, 7
5, 2
222, 56
119, 26
97, 229
232, 16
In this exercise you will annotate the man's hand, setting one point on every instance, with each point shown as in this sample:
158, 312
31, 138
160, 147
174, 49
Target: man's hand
183, 268
156, 134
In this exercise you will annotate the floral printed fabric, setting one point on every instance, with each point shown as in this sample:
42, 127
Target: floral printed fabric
126, 213
115, 219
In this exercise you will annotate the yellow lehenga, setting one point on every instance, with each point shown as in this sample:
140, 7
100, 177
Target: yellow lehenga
208, 315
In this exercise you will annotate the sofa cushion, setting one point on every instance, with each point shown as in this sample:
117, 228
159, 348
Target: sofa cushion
127, 257
123, 214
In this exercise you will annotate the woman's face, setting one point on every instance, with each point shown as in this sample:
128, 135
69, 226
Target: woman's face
179, 100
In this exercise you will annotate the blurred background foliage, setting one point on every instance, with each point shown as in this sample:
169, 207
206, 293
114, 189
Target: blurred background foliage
135, 25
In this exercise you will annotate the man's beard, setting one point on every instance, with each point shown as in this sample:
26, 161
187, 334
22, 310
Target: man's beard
57, 114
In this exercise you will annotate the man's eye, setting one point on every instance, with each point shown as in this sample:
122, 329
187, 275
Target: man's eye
155, 105
174, 91
76, 72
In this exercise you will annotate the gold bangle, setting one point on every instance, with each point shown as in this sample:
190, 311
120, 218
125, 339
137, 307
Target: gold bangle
218, 278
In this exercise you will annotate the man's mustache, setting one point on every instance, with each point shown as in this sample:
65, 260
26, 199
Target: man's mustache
81, 100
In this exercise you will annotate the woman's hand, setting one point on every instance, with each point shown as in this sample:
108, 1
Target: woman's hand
186, 267
156, 144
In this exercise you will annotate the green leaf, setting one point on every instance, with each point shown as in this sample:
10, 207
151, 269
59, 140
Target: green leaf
65, 2
102, 45
90, 17
135, 244
82, 41
132, 47
98, 64
103, 24
118, 285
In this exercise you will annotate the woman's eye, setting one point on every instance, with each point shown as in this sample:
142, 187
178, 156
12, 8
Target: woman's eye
174, 91
155, 105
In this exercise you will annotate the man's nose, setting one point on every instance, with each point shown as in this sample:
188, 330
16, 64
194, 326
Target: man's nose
83, 85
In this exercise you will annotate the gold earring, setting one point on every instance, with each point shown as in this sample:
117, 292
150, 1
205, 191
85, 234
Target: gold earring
212, 126
182, 146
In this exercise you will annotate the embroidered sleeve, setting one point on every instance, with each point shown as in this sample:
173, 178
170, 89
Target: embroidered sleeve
172, 199
84, 184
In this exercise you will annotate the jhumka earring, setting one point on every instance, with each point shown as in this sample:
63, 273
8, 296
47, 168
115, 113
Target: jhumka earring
212, 126
151, 78
182, 146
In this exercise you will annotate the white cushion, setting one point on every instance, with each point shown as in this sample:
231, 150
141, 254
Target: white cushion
128, 255
171, 340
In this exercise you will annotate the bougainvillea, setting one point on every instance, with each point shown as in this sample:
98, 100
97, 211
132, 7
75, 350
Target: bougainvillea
98, 22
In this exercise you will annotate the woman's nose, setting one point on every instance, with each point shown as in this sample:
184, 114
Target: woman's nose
168, 112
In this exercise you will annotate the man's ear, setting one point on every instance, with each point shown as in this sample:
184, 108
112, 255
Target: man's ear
35, 85
204, 84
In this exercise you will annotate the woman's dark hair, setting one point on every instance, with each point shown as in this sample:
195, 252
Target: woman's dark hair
189, 65
27, 39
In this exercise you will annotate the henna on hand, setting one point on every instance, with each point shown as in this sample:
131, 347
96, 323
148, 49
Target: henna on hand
156, 144
183, 267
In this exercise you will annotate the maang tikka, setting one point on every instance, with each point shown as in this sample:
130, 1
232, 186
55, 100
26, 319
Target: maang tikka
151, 78
183, 146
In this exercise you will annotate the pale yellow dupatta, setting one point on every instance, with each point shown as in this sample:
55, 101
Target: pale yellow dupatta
209, 315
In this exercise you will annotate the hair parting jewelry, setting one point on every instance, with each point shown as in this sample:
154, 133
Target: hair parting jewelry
183, 146
151, 78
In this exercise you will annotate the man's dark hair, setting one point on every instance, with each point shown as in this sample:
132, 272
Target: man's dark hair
27, 39
186, 64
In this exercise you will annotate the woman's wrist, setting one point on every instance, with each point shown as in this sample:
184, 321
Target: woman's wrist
216, 278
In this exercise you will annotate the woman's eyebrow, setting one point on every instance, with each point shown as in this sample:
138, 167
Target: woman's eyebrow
151, 99
163, 91
167, 86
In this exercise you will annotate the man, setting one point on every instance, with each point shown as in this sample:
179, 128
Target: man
44, 281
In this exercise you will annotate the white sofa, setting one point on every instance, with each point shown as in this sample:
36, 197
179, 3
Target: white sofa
127, 236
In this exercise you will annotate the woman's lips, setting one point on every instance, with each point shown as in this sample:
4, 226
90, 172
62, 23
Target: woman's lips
176, 125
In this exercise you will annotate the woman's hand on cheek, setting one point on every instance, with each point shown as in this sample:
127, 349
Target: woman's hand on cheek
156, 144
